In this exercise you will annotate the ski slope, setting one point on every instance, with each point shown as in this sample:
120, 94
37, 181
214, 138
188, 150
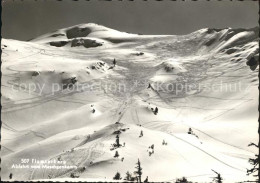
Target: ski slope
206, 81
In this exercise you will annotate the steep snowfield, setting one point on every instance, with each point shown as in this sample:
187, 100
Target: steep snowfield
63, 98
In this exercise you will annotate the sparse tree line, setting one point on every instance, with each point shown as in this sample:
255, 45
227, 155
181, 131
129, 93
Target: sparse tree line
118, 145
136, 176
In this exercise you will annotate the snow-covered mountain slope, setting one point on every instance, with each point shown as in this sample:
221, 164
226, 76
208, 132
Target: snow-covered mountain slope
63, 98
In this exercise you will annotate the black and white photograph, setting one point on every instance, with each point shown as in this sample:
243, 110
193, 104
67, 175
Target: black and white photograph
130, 91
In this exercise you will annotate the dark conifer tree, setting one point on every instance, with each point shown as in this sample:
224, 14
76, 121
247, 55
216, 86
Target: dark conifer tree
139, 171
116, 155
128, 176
10, 176
117, 176
146, 180
141, 133
190, 131
182, 180
156, 111
117, 141
114, 62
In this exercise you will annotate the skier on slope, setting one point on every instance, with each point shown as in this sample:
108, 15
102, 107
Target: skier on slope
156, 111
114, 62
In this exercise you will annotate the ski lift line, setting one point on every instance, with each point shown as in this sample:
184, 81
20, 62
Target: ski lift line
183, 156
233, 108
219, 139
173, 123
222, 98
208, 153
201, 108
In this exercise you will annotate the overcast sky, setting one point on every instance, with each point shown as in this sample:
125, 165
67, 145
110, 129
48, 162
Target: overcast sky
27, 19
